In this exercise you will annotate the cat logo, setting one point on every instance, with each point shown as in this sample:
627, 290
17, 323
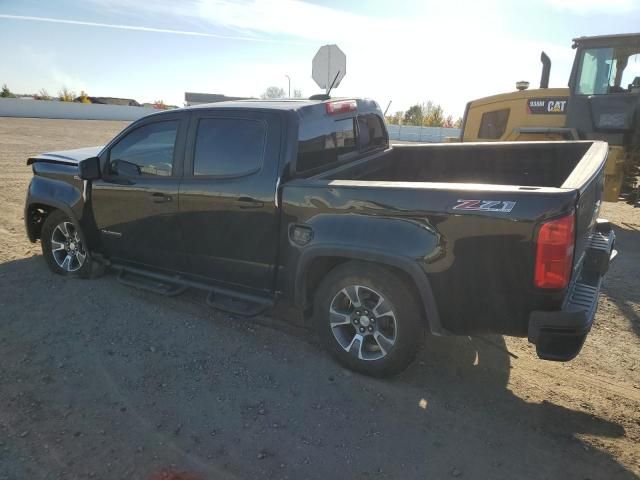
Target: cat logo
545, 106
556, 106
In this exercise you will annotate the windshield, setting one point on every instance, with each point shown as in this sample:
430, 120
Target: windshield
609, 70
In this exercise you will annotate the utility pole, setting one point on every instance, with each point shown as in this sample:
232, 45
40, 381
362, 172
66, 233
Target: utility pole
289, 78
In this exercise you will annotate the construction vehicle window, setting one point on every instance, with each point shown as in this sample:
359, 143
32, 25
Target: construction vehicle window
630, 76
608, 70
596, 68
493, 124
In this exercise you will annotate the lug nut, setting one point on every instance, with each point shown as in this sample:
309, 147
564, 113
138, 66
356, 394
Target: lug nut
372, 320
370, 328
361, 329
357, 312
356, 321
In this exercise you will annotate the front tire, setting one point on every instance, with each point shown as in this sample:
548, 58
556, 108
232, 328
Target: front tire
63, 247
369, 319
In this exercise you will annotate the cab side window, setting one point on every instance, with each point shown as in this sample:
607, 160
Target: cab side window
493, 124
229, 147
145, 151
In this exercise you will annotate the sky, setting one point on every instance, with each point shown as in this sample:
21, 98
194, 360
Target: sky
404, 52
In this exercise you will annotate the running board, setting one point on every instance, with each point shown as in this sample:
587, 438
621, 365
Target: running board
226, 300
150, 284
240, 305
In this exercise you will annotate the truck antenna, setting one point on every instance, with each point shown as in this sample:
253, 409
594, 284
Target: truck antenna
333, 83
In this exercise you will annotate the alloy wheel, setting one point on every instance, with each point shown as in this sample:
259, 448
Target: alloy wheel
363, 322
66, 247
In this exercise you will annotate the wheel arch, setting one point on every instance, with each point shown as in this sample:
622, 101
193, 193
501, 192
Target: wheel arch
34, 220
316, 262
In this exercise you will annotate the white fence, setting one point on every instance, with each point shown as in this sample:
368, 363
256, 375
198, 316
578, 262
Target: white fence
410, 133
16, 107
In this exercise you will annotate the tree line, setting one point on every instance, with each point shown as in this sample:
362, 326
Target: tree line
66, 95
427, 114
273, 93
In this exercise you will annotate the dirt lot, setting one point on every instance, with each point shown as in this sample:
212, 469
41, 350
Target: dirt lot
98, 380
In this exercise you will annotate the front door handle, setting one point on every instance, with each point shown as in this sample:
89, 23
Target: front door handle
248, 202
161, 197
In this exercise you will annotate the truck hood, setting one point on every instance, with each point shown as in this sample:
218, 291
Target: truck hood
67, 157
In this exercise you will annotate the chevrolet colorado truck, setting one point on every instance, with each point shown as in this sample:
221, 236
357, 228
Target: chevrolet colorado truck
305, 202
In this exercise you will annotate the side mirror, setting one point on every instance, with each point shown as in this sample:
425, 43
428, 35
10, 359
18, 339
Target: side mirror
127, 169
89, 169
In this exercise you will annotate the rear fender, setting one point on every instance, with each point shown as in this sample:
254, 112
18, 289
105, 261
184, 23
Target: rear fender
410, 267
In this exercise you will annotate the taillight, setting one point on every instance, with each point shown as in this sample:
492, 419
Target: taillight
341, 106
554, 252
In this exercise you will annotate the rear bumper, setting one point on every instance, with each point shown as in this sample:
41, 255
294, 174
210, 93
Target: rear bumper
559, 335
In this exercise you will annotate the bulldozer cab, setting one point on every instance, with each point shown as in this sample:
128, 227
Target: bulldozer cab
602, 102
605, 88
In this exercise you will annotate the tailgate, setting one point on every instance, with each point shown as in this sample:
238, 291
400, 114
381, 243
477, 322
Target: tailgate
588, 179
560, 334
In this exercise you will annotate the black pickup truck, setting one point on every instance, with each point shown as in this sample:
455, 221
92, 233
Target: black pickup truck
305, 202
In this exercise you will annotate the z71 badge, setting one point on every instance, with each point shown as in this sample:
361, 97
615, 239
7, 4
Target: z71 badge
504, 206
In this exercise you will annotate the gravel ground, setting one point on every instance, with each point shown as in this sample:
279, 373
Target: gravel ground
98, 380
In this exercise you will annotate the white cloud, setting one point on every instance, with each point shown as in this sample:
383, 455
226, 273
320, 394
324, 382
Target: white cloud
137, 28
590, 6
407, 60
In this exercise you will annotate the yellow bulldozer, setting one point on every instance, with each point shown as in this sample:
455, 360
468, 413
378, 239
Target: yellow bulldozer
602, 102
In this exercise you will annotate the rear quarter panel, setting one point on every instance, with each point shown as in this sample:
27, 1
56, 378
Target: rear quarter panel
479, 264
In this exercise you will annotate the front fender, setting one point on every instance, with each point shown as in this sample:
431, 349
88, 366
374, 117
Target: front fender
53, 193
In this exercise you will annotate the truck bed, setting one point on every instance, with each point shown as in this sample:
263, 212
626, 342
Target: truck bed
536, 164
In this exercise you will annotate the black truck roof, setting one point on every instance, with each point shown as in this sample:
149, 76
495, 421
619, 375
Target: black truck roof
279, 104
284, 104
365, 105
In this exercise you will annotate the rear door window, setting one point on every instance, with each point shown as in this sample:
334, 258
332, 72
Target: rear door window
228, 147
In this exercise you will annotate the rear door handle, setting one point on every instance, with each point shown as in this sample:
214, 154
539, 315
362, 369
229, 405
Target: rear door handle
161, 197
248, 202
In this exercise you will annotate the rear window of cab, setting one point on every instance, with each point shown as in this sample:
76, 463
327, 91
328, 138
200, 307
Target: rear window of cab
322, 145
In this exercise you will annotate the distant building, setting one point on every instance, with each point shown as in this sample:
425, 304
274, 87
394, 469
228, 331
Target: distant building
191, 98
129, 102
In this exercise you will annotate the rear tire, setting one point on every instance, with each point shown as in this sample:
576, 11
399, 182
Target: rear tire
369, 319
63, 247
